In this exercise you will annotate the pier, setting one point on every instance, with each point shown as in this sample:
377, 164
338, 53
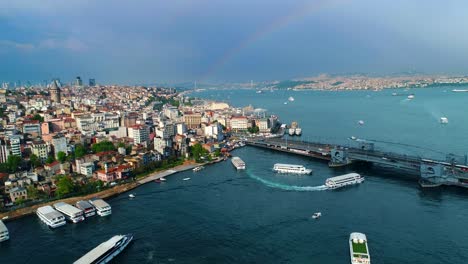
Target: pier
451, 171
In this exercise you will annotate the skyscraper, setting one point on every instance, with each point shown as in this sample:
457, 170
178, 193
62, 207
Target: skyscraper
55, 92
78, 81
92, 82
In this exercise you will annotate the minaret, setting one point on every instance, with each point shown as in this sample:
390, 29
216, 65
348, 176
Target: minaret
55, 92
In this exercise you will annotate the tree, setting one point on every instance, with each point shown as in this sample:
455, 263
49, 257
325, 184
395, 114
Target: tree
80, 151
253, 129
61, 156
198, 152
13, 163
35, 161
50, 159
38, 117
65, 186
217, 153
102, 146
33, 192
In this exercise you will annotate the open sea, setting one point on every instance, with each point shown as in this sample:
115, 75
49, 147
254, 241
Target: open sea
256, 216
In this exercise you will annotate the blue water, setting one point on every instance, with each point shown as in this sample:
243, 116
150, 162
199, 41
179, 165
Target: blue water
257, 216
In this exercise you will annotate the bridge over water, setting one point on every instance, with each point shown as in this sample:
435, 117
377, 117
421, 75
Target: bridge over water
451, 171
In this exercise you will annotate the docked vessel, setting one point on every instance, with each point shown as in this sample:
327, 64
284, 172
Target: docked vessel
238, 163
102, 207
298, 131
87, 208
50, 216
444, 120
291, 131
70, 212
291, 168
4, 235
106, 251
199, 168
358, 248
343, 180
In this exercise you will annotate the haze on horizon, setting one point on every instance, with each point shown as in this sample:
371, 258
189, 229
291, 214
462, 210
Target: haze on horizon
143, 41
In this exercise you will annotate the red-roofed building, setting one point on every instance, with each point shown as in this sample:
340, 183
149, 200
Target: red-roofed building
116, 173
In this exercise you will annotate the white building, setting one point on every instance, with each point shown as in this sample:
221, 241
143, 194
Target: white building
162, 146
60, 144
139, 133
15, 144
240, 123
181, 128
4, 151
87, 169
40, 149
165, 130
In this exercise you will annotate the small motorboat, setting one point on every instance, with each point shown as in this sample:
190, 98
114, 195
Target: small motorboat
394, 94
361, 122
162, 179
186, 179
131, 195
353, 138
411, 96
316, 215
157, 181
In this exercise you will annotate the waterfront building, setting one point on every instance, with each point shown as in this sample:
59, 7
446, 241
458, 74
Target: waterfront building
54, 91
18, 193
240, 123
87, 169
263, 125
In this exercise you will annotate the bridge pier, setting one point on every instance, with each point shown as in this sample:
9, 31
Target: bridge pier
339, 158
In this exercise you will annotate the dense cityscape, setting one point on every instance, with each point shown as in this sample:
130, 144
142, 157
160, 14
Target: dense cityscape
59, 141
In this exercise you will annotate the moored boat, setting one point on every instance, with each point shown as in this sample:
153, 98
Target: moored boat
102, 207
4, 234
70, 212
358, 248
50, 216
88, 209
106, 251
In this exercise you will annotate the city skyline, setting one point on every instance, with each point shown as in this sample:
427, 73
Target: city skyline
207, 41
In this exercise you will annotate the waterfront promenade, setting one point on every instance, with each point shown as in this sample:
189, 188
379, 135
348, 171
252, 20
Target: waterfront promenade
106, 194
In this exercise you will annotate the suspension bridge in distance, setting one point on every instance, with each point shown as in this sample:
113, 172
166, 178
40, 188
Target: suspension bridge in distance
432, 173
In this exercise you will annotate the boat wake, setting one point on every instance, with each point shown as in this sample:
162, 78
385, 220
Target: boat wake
287, 187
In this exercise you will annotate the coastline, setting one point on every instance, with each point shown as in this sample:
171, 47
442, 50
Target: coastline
106, 194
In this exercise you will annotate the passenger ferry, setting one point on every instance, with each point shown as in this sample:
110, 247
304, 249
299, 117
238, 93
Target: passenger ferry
87, 208
238, 163
71, 213
343, 180
50, 216
102, 207
4, 235
106, 251
291, 168
358, 248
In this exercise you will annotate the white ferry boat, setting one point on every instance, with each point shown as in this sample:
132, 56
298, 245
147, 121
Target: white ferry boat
238, 163
291, 168
50, 216
102, 207
71, 213
87, 208
106, 251
4, 235
358, 248
343, 180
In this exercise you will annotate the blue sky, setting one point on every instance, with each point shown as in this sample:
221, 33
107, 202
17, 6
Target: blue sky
144, 41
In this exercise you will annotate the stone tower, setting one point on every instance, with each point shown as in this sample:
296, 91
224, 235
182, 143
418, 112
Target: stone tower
55, 92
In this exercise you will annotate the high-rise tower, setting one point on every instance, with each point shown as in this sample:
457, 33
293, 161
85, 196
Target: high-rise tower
55, 92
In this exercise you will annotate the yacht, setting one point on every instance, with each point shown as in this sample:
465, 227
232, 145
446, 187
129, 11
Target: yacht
460, 90
343, 180
71, 213
291, 168
162, 179
50, 216
102, 207
444, 120
87, 208
358, 248
106, 251
4, 235
238, 163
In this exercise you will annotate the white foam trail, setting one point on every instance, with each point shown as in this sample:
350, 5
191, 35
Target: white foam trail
288, 187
